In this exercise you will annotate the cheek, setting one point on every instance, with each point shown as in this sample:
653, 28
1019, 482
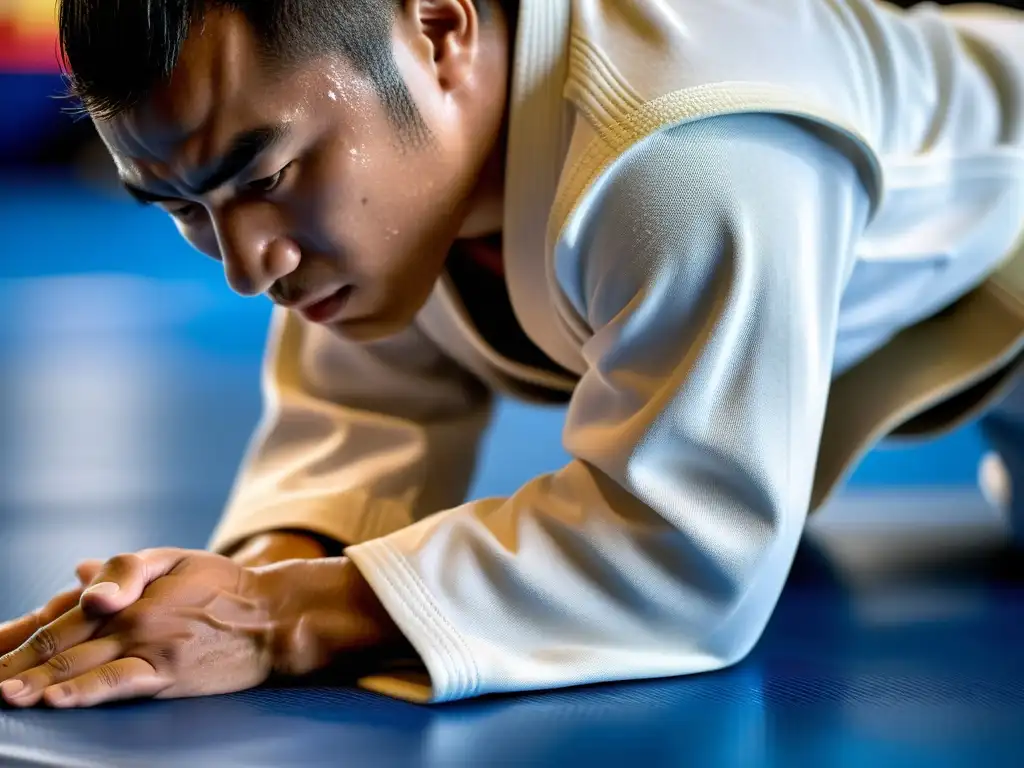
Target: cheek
356, 212
387, 217
324, 208
408, 208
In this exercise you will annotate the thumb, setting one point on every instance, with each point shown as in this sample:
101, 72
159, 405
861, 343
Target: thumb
121, 580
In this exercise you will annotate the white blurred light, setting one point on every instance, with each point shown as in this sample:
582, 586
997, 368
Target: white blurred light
84, 405
79, 304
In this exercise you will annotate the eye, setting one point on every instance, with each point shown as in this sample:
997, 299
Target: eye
269, 183
186, 212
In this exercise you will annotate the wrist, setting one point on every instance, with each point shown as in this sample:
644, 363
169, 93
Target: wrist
276, 546
323, 611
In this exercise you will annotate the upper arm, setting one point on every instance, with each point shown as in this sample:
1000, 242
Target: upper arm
710, 270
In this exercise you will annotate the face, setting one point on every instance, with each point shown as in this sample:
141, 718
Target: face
300, 185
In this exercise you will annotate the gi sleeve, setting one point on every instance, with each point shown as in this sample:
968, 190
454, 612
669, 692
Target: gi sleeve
357, 440
710, 266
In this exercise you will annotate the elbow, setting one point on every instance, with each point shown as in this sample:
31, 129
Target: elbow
741, 588
727, 644
744, 615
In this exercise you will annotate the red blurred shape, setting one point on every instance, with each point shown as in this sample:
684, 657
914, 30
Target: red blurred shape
27, 53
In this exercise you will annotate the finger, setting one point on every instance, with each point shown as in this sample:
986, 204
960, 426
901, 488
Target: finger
87, 571
68, 630
14, 633
122, 579
119, 680
26, 690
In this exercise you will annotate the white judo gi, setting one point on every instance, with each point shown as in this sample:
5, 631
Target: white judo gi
727, 222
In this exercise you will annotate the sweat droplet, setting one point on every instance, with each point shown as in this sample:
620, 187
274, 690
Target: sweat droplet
332, 95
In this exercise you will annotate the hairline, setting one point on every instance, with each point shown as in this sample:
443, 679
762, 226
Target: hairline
278, 62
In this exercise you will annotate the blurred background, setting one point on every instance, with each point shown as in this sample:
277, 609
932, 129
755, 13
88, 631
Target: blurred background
130, 372
129, 387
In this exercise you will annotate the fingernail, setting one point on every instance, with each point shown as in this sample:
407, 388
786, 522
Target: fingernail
104, 588
12, 688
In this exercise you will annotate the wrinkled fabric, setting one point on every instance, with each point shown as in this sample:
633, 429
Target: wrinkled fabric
702, 257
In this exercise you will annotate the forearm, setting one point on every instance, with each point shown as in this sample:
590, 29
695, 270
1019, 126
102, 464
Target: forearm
356, 441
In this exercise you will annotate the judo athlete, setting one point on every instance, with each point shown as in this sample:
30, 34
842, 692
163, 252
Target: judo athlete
743, 240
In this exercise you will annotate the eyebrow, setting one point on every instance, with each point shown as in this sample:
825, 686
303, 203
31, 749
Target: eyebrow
244, 149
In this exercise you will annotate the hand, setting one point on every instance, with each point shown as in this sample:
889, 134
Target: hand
264, 549
185, 624
14, 633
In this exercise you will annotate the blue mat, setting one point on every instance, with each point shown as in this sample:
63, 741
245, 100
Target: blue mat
129, 392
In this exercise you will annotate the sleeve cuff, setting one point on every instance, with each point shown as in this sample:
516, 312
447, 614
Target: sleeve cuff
348, 519
451, 673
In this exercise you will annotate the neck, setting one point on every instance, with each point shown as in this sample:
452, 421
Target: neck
486, 212
487, 201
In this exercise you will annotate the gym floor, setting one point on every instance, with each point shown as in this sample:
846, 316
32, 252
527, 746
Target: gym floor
130, 389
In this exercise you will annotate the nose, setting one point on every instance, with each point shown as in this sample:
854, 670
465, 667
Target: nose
254, 254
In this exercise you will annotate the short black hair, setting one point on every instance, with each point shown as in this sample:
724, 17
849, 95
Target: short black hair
114, 52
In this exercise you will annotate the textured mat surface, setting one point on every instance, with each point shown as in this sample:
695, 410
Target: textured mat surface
901, 670
127, 396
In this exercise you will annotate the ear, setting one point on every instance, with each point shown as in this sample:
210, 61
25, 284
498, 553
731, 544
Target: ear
450, 31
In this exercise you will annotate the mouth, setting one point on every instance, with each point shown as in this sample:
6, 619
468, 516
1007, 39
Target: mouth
327, 310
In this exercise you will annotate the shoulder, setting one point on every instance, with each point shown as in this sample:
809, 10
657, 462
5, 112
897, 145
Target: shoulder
665, 210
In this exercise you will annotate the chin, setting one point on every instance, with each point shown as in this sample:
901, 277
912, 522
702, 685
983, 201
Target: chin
364, 330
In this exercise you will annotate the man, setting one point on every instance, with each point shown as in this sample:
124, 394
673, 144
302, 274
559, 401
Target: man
743, 239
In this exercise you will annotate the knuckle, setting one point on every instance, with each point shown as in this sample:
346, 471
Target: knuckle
43, 643
165, 655
109, 676
60, 665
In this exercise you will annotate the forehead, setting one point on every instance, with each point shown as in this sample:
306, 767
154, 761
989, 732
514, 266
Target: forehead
221, 86
216, 70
